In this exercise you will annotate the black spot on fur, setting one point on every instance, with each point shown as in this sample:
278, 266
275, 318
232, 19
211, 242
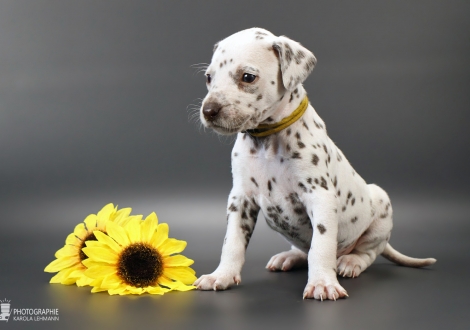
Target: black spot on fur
296, 155
259, 97
269, 185
302, 186
304, 124
309, 64
353, 220
254, 181
273, 83
338, 156
323, 183
353, 201
233, 208
321, 228
315, 159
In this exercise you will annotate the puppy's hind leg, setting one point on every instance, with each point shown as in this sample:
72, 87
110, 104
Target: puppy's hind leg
285, 261
373, 240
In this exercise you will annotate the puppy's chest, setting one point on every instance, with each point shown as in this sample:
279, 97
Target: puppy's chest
271, 179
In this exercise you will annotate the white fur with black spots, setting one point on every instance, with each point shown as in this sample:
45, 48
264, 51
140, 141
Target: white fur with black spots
298, 178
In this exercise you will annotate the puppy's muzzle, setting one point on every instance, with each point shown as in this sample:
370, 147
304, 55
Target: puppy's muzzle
211, 110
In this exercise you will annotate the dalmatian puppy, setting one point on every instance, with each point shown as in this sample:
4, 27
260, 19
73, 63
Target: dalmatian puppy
285, 165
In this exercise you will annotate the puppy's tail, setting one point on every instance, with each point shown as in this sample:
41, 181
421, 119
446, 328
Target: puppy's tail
398, 258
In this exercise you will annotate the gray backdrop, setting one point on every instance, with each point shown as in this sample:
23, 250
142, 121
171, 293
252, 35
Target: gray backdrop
95, 99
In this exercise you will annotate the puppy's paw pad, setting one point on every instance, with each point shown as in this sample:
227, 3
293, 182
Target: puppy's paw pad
322, 290
287, 260
350, 265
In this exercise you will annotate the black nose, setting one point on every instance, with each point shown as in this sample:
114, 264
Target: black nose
211, 110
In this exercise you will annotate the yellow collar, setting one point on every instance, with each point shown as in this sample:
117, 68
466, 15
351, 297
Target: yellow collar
268, 129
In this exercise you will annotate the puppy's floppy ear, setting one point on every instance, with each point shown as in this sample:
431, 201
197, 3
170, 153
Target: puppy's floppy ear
296, 61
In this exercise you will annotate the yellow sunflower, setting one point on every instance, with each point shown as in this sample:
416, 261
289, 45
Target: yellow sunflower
69, 263
136, 258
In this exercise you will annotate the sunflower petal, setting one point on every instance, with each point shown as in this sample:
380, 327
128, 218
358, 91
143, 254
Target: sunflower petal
98, 289
100, 271
80, 231
67, 251
111, 281
156, 290
117, 233
118, 290
171, 246
121, 214
165, 281
106, 212
91, 222
61, 263
94, 244
148, 227
183, 274
84, 281
183, 287
101, 254
135, 290
72, 239
133, 230
77, 272
105, 239
177, 260
63, 277
161, 235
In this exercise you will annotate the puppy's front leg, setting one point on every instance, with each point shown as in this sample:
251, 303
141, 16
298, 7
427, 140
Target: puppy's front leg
322, 281
241, 219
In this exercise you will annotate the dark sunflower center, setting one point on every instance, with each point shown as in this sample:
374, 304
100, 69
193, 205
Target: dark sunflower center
140, 265
89, 237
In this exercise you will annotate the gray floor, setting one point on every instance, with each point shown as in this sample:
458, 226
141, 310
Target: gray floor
386, 296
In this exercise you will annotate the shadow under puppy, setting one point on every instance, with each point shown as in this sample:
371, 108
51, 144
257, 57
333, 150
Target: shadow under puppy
285, 165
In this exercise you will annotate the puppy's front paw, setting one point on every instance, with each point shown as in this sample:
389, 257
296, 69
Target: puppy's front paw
324, 289
218, 280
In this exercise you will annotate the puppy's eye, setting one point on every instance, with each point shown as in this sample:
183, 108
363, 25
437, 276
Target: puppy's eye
248, 78
208, 78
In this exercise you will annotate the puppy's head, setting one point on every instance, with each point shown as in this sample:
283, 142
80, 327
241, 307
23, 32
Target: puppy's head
248, 76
